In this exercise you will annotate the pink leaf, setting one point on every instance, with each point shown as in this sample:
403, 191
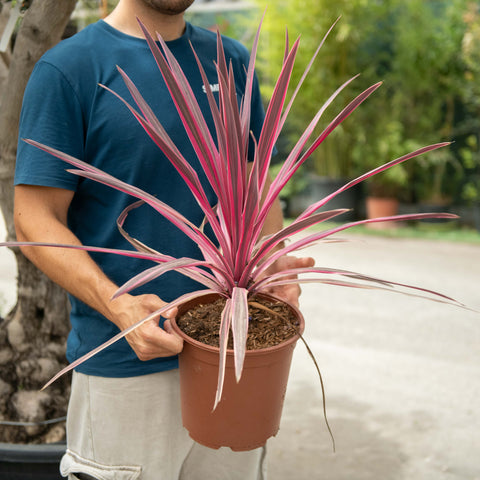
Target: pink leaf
239, 327
225, 324
369, 174
182, 265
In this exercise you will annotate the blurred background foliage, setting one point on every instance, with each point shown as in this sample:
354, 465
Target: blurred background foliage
426, 53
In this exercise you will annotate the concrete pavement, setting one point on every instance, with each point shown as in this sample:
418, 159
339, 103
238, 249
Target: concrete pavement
402, 374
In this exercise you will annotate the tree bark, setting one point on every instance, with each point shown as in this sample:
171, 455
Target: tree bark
33, 337
4, 56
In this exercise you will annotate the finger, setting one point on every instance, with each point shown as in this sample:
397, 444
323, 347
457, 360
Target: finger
163, 340
151, 341
293, 295
302, 262
151, 302
167, 326
310, 261
172, 313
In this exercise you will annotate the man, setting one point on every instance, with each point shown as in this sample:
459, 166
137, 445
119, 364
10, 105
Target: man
124, 419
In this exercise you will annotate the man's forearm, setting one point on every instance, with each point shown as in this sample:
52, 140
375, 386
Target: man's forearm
73, 270
40, 216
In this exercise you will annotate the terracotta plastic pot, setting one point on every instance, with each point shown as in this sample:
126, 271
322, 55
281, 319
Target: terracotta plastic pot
381, 207
249, 412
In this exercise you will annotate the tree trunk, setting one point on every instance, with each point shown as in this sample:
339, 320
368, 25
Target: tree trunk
4, 56
32, 338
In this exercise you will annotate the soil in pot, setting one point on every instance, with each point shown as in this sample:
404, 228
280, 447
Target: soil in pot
266, 328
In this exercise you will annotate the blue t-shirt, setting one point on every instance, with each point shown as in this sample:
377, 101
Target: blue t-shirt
65, 108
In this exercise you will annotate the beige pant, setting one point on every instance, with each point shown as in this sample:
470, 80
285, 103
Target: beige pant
130, 428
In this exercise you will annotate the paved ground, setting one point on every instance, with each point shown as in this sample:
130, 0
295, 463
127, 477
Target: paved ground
402, 375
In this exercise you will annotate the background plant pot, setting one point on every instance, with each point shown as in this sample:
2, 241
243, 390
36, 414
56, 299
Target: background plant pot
381, 207
35, 462
249, 412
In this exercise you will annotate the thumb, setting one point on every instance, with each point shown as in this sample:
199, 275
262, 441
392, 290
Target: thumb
171, 313
167, 326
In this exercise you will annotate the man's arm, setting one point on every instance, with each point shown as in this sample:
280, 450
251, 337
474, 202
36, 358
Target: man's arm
40, 215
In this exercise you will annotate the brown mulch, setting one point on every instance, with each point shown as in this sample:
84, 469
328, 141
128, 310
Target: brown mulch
265, 328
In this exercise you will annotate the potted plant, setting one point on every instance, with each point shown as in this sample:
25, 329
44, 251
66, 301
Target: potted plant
236, 266
382, 198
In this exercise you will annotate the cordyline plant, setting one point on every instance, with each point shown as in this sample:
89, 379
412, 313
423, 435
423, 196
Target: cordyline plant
234, 267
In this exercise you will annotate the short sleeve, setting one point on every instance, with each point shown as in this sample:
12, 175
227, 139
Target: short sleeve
52, 115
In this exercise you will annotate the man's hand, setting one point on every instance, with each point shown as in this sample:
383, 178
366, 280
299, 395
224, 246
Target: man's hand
291, 291
148, 341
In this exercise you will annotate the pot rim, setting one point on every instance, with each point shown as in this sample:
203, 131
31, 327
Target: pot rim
249, 353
